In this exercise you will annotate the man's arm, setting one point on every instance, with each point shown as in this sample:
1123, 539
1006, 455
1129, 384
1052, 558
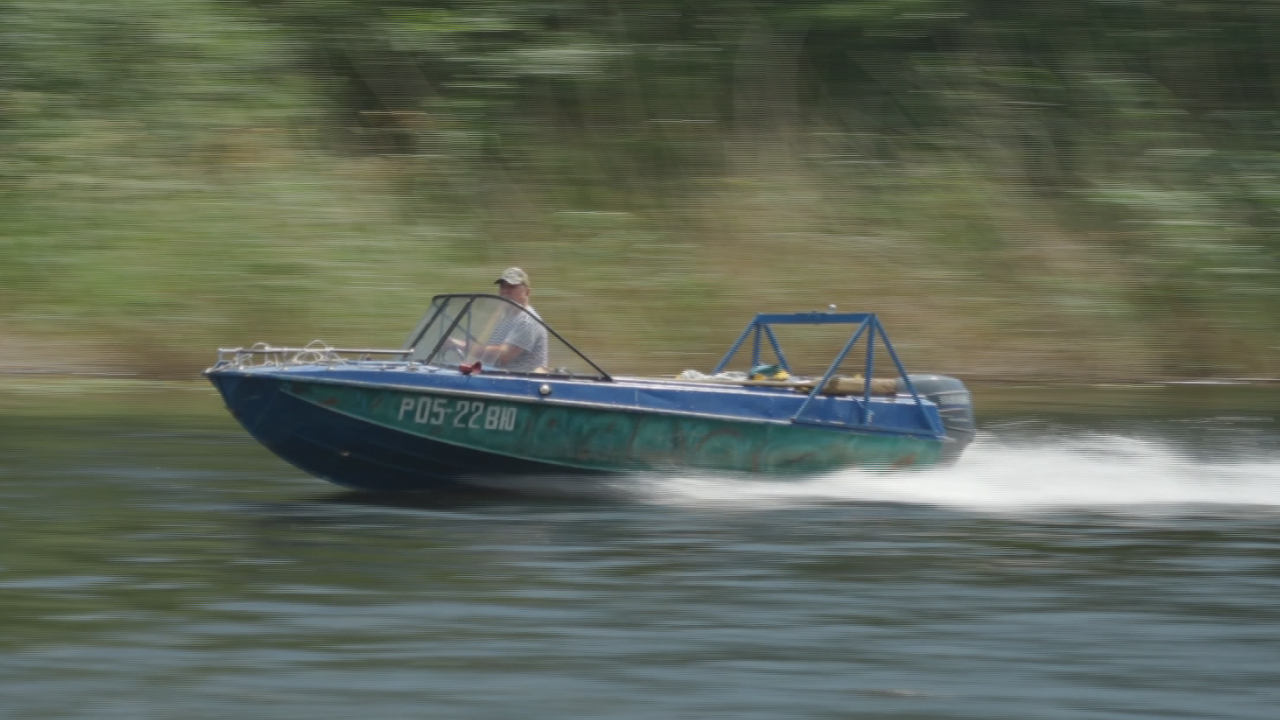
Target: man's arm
500, 355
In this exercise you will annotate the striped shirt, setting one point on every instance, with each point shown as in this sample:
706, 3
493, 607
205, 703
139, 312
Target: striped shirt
526, 333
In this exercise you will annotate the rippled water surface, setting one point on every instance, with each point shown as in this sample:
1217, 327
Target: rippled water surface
1097, 554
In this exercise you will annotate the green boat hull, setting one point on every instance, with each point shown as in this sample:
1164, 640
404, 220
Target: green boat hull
594, 438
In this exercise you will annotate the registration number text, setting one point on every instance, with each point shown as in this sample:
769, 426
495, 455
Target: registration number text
467, 414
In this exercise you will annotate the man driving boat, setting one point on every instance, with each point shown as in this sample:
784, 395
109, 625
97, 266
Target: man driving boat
518, 343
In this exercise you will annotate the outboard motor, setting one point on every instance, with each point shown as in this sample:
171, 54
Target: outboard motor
955, 406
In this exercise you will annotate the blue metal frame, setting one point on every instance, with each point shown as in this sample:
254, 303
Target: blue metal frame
868, 323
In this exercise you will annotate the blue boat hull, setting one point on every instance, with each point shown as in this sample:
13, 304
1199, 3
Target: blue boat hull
378, 438
352, 453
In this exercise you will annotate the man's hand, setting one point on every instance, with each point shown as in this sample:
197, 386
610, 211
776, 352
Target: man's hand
455, 345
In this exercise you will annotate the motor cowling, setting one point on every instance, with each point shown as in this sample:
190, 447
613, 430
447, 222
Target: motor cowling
955, 406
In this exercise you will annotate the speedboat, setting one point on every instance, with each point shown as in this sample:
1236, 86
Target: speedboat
439, 414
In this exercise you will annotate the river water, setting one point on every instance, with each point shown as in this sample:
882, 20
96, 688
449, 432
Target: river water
1099, 553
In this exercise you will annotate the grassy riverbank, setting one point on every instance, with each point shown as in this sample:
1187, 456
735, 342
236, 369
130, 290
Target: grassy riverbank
120, 263
146, 268
27, 398
196, 177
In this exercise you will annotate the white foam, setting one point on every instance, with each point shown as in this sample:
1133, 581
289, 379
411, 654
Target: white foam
1084, 471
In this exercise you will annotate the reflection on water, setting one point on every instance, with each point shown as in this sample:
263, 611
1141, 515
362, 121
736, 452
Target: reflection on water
1123, 563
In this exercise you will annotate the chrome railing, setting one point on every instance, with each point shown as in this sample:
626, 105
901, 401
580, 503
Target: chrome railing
315, 352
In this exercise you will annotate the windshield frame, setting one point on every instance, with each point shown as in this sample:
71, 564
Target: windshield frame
448, 311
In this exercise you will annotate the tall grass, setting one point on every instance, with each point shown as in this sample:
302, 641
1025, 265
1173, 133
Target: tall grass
147, 263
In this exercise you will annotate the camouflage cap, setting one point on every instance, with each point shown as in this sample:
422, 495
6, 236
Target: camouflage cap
514, 276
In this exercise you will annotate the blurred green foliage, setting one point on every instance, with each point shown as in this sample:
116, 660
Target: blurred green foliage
1082, 189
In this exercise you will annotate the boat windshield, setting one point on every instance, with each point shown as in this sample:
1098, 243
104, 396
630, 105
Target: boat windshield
461, 330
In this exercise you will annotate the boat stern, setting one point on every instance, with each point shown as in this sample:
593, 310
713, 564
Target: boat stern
955, 409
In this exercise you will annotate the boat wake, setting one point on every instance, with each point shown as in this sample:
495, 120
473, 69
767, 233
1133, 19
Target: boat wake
1082, 472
